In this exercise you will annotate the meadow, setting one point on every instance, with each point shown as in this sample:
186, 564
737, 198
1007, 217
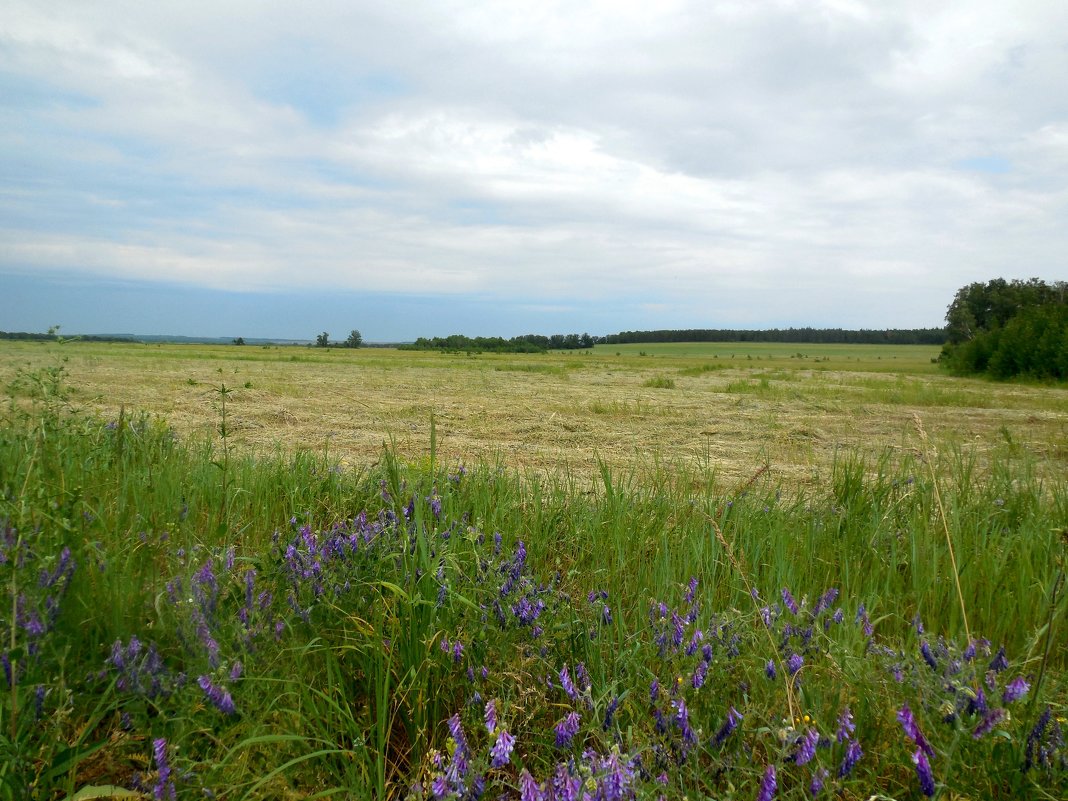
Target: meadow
679, 571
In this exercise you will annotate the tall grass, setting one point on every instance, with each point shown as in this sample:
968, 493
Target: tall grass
175, 615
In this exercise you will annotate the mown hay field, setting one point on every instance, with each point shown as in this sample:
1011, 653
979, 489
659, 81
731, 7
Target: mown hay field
719, 409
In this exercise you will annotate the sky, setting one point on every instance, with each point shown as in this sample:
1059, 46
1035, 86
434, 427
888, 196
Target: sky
276, 169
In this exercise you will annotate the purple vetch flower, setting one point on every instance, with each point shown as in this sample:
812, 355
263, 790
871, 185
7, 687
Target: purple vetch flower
699, 675
1015, 690
908, 723
682, 720
789, 602
993, 717
164, 787
457, 652
567, 684
795, 663
769, 669
236, 671
440, 788
654, 691
815, 787
852, 756
1035, 738
502, 749
691, 590
610, 713
928, 657
999, 662
566, 729
846, 727
491, 715
734, 717
825, 601
768, 785
806, 747
219, 697
923, 772
582, 677
528, 788
456, 730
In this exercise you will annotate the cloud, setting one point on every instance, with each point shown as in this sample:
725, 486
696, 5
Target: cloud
675, 157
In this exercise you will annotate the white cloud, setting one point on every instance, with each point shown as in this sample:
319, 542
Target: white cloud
553, 152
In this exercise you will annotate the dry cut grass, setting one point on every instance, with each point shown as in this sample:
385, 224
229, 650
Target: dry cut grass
721, 410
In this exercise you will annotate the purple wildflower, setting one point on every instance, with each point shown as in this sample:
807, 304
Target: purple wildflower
999, 662
846, 727
795, 663
219, 697
734, 717
769, 669
502, 749
236, 671
908, 723
1016, 689
566, 729
491, 715
654, 691
993, 717
789, 602
928, 657
610, 713
528, 788
768, 785
815, 787
699, 675
682, 720
852, 756
164, 787
691, 590
456, 729
566, 683
923, 772
806, 747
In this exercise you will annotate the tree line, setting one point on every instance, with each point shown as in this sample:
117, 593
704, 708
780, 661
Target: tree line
1009, 328
525, 343
903, 336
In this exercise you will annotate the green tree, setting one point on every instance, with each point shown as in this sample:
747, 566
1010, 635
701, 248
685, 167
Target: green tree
355, 339
239, 341
323, 340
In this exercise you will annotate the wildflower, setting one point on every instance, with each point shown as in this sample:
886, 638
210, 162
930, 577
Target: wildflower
566, 729
815, 787
691, 590
806, 749
609, 713
768, 785
456, 730
491, 715
236, 671
923, 772
825, 601
769, 669
699, 675
987, 724
219, 697
846, 727
928, 657
1016, 689
999, 662
682, 720
789, 602
734, 717
566, 683
1035, 738
164, 787
795, 663
908, 723
852, 757
502, 749
654, 691
528, 788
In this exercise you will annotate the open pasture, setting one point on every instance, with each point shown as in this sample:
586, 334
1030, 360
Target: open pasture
612, 594
719, 409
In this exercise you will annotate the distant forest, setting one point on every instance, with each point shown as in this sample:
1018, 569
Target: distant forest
537, 343
52, 337
864, 336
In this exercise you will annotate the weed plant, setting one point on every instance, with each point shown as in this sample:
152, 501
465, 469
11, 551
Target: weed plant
181, 621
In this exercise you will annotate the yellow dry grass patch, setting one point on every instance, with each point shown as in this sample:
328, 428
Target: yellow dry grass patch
554, 411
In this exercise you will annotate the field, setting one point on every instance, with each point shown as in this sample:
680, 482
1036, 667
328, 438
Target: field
726, 408
678, 571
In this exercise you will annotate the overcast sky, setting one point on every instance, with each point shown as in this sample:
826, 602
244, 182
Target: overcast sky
414, 168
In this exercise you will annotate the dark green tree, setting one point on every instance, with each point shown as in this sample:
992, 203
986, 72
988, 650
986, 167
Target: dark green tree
323, 340
355, 339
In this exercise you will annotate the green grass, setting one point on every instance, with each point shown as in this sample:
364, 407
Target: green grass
342, 593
